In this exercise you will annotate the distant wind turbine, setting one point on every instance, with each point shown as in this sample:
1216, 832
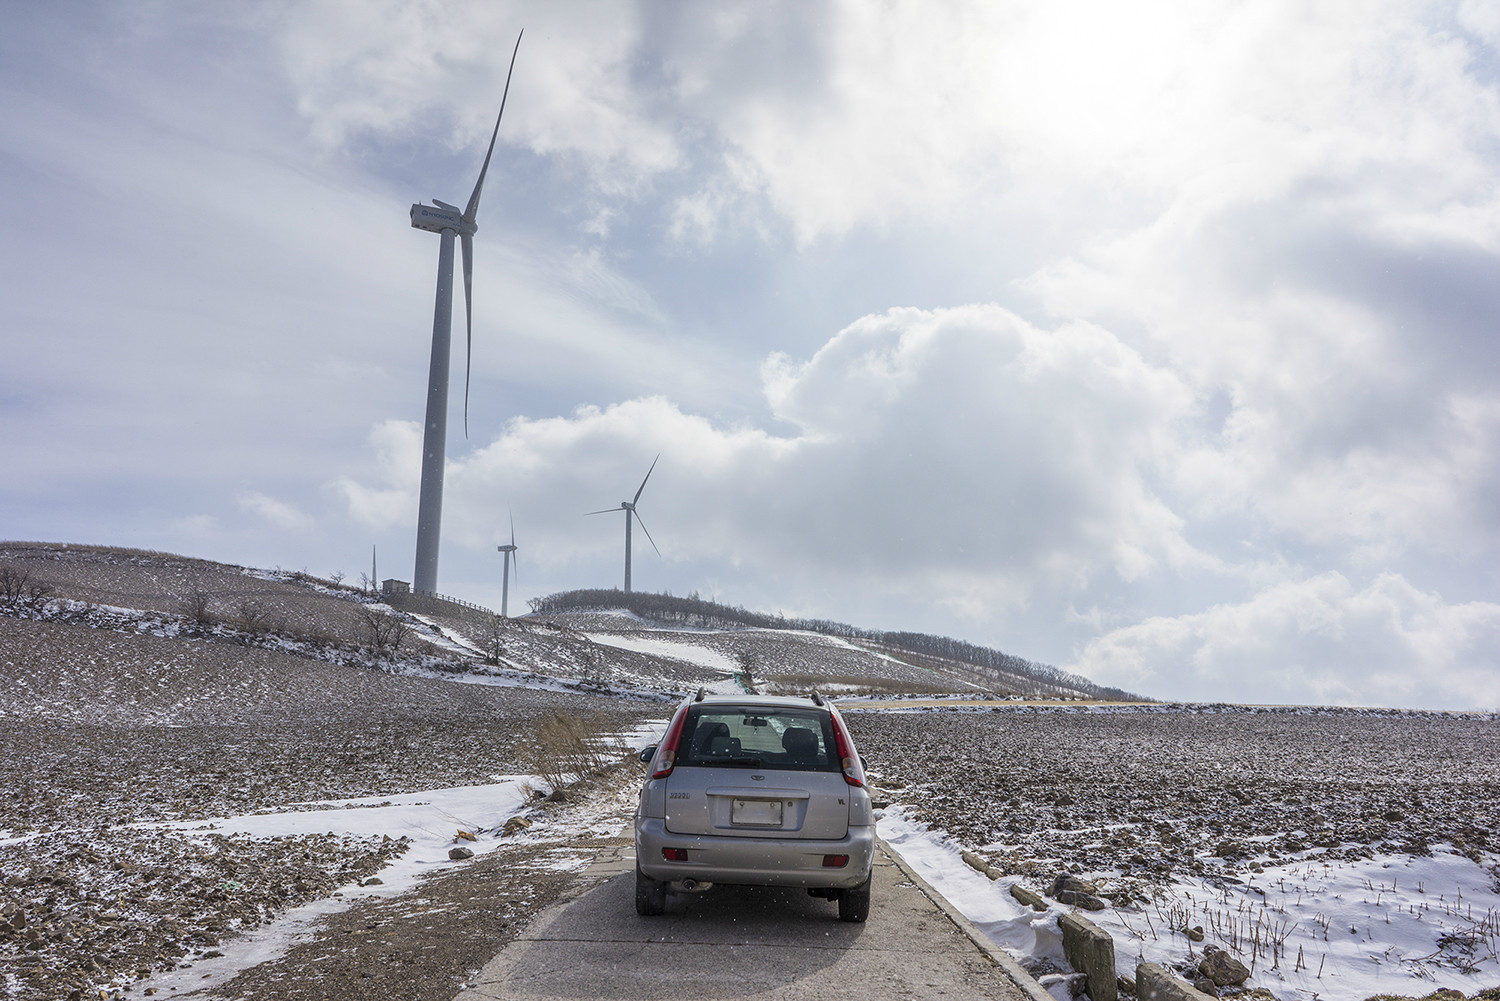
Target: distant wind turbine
448, 221
629, 508
505, 574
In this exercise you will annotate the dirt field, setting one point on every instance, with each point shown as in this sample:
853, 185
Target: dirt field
99, 729
1145, 792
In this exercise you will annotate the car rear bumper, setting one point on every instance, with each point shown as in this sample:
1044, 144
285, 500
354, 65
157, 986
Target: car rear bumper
754, 861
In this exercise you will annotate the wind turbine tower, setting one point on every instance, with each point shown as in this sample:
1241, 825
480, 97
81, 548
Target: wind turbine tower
630, 512
505, 576
448, 221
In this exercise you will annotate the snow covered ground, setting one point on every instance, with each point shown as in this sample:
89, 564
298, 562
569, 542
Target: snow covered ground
1392, 924
671, 647
433, 822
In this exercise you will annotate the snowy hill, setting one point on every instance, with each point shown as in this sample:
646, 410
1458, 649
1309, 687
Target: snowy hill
78, 600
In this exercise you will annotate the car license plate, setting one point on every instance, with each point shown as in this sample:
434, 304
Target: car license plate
755, 812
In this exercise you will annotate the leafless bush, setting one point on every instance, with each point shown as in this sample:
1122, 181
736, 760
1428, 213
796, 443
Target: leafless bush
197, 607
19, 586
250, 618
567, 747
595, 665
385, 631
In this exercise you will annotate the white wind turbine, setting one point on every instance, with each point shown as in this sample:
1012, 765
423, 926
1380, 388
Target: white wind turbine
629, 508
447, 221
505, 574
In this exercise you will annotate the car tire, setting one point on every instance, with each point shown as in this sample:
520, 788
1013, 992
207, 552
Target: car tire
651, 895
854, 903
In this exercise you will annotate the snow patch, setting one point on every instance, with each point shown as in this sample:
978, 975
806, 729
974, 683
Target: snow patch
1393, 924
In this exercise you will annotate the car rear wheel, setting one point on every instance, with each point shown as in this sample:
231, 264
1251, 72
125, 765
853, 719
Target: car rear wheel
651, 895
854, 903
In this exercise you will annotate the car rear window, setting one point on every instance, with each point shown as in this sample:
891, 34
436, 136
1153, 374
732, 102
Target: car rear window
758, 737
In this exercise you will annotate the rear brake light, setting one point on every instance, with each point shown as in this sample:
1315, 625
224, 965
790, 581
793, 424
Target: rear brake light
666, 754
835, 861
853, 773
679, 854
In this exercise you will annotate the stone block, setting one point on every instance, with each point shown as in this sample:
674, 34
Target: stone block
1025, 896
1091, 952
1078, 898
1154, 982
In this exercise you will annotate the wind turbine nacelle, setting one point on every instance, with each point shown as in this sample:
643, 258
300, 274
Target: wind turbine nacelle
435, 219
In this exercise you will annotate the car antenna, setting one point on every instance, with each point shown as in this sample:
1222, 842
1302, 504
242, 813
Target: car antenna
817, 699
699, 696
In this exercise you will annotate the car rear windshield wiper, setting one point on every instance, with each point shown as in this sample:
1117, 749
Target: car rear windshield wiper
741, 761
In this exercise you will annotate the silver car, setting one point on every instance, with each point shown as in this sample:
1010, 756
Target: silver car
758, 790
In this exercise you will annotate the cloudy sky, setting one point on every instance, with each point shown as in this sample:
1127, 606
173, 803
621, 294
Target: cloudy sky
1155, 341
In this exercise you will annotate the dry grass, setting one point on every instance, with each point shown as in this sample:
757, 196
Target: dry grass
847, 685
567, 747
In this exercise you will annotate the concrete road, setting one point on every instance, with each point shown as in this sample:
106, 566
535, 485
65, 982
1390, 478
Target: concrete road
748, 942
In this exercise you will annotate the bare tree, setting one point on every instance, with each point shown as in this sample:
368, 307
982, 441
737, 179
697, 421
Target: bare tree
494, 647
197, 607
385, 631
337, 577
18, 586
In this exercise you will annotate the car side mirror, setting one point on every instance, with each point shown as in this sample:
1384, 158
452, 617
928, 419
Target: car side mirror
647, 753
863, 763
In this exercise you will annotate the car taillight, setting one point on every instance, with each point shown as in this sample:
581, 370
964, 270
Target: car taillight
835, 861
666, 754
674, 854
853, 773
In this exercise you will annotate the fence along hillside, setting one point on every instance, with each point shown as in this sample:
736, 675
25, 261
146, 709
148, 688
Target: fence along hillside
985, 664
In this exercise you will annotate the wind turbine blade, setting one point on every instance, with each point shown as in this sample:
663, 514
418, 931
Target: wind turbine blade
646, 530
444, 205
512, 528
608, 510
648, 476
472, 211
467, 244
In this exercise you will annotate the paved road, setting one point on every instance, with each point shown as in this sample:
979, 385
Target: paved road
743, 942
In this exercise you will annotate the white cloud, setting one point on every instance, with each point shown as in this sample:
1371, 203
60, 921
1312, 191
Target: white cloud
959, 452
278, 512
910, 111
1353, 418
1316, 640
402, 66
398, 467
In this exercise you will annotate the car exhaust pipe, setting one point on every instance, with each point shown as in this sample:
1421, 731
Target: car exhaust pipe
691, 885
